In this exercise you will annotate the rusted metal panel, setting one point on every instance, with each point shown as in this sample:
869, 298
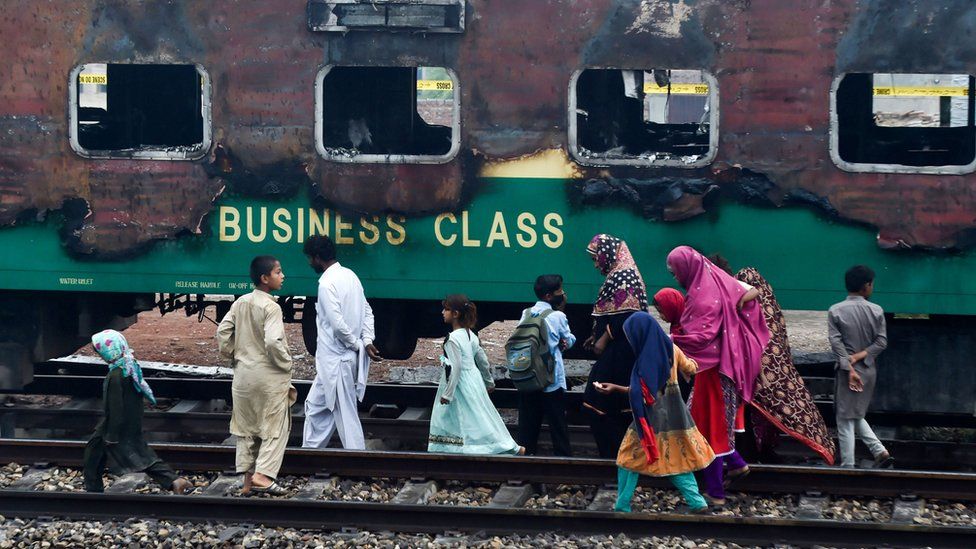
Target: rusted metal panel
774, 62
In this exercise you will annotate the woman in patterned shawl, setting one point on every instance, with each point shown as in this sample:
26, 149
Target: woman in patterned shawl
781, 398
621, 295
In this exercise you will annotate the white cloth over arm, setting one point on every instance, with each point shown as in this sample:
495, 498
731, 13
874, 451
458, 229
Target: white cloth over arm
345, 326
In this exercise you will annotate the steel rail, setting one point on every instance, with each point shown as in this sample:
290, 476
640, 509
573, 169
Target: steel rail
331, 515
303, 461
405, 395
212, 426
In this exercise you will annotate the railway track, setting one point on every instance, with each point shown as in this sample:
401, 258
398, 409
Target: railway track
394, 413
404, 428
75, 377
410, 510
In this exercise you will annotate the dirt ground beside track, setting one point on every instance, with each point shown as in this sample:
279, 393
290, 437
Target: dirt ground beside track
178, 339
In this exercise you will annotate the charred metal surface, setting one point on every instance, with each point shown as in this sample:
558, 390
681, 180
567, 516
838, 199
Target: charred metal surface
282, 177
663, 198
774, 63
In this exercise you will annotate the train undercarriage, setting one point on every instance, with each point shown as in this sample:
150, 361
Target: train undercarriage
927, 367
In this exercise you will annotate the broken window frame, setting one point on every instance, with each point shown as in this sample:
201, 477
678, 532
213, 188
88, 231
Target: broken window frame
385, 158
315, 24
867, 167
671, 162
146, 153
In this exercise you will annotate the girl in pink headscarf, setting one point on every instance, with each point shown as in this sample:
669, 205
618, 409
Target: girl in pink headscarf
724, 331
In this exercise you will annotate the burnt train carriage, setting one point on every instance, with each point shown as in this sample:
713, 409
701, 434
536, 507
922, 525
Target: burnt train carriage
153, 147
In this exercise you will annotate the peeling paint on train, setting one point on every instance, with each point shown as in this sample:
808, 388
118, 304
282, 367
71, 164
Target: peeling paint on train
774, 63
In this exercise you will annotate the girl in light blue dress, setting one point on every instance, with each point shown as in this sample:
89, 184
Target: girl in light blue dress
464, 421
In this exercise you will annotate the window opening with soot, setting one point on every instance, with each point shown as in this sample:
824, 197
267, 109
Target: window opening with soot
140, 111
387, 114
663, 117
911, 123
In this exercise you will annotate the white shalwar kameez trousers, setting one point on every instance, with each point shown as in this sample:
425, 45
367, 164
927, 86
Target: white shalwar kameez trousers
345, 327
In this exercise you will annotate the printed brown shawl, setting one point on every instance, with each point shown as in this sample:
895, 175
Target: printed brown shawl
780, 394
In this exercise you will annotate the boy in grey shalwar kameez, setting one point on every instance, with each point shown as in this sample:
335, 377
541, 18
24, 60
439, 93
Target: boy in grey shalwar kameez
856, 329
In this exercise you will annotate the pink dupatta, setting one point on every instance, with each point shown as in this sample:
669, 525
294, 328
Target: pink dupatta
716, 333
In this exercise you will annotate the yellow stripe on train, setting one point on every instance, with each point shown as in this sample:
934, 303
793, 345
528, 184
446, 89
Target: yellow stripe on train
93, 79
677, 89
435, 85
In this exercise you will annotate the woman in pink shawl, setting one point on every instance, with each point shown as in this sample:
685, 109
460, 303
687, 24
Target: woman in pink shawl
724, 331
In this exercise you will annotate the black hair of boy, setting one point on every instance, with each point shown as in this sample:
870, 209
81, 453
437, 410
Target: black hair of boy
857, 277
262, 265
321, 247
547, 284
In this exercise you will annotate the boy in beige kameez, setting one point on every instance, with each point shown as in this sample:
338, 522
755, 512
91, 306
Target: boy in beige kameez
252, 336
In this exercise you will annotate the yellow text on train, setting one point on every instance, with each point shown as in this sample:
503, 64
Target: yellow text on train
283, 225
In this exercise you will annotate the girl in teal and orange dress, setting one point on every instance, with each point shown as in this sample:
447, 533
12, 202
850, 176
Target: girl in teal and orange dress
662, 441
464, 420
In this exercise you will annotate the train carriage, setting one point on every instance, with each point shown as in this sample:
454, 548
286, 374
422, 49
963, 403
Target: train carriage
448, 145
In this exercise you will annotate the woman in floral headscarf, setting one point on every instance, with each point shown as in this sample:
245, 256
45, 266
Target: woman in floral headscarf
119, 434
621, 295
723, 330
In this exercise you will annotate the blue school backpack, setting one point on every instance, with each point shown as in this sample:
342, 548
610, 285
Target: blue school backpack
531, 364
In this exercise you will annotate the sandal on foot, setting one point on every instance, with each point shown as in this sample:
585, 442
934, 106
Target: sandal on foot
181, 486
884, 461
734, 476
274, 489
713, 501
685, 509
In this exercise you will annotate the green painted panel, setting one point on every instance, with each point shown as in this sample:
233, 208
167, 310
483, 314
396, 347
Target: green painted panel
516, 229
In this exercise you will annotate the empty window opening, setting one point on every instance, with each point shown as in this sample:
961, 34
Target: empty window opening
388, 114
644, 117
910, 120
154, 111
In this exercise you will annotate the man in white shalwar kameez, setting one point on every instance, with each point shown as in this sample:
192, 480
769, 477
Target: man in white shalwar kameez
344, 347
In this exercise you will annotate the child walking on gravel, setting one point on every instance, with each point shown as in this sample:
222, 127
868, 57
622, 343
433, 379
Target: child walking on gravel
663, 440
252, 336
119, 434
550, 402
464, 420
856, 329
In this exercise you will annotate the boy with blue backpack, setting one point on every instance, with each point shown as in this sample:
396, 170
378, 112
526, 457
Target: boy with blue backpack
535, 364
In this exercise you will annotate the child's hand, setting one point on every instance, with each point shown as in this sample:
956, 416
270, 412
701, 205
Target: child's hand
445, 401
563, 344
854, 382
